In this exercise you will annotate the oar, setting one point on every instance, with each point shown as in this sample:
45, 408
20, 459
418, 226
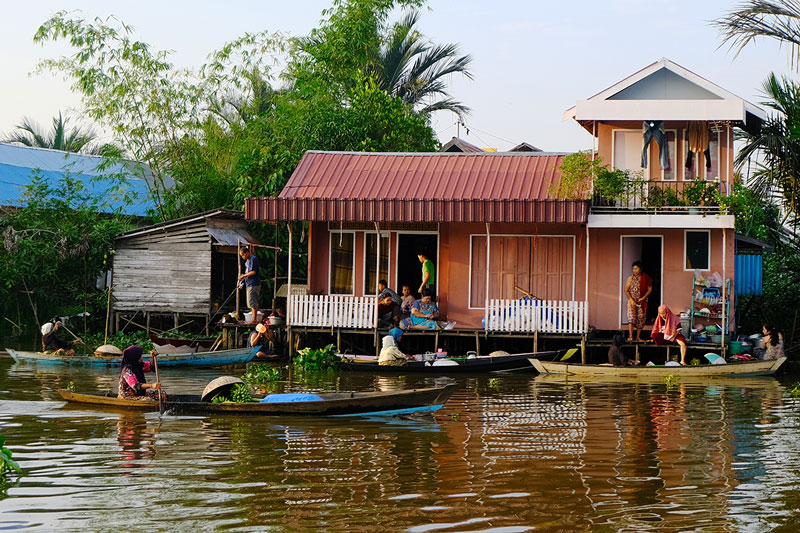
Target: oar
78, 339
154, 354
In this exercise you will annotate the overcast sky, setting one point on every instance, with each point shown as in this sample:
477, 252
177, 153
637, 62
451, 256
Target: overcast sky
532, 59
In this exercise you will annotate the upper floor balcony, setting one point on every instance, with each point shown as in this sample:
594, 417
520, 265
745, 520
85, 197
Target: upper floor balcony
616, 192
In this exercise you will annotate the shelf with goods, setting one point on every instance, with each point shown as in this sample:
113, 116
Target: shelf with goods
711, 306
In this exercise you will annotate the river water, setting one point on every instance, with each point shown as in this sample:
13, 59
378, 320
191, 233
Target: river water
514, 453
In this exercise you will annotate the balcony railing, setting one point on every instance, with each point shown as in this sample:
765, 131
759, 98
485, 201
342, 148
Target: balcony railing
664, 195
334, 310
545, 316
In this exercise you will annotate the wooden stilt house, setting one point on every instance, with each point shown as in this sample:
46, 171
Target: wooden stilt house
186, 266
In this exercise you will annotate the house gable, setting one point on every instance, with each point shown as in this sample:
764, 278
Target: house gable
664, 84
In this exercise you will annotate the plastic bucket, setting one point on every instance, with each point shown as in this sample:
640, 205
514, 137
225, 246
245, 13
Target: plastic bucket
736, 347
716, 338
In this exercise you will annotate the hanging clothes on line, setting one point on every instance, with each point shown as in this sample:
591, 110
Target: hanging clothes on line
653, 130
697, 134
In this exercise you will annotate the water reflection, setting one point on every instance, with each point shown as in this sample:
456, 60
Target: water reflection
532, 453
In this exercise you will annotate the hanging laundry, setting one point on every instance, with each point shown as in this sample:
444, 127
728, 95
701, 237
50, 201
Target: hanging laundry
654, 130
697, 134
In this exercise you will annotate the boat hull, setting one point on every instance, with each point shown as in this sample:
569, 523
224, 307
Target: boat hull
743, 369
484, 364
332, 404
219, 358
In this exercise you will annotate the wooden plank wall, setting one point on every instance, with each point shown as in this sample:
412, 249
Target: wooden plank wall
166, 271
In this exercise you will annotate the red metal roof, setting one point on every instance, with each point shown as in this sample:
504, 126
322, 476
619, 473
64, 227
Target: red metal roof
416, 187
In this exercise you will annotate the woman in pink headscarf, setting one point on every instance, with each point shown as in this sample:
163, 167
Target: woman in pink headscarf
665, 330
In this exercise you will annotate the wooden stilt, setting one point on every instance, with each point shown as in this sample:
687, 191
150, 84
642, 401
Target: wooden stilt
339, 340
583, 349
289, 341
436, 342
377, 346
536, 341
477, 344
116, 322
637, 352
177, 320
147, 322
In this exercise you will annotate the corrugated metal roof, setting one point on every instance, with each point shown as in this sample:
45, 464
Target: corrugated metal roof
231, 237
398, 210
18, 164
414, 187
177, 222
749, 274
407, 176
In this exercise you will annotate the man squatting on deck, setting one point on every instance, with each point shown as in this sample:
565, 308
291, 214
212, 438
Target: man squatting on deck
251, 280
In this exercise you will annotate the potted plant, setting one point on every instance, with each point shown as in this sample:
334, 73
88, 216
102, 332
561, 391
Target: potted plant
610, 186
577, 171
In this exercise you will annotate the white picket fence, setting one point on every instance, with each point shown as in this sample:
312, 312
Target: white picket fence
545, 316
332, 311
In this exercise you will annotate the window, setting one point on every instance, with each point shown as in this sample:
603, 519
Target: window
369, 258
669, 174
628, 149
712, 173
542, 266
697, 247
342, 263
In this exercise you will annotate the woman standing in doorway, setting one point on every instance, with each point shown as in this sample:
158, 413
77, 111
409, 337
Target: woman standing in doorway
637, 289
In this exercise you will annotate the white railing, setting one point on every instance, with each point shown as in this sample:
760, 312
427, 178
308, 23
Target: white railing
545, 316
332, 311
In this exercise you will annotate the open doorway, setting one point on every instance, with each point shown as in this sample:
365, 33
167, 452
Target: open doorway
409, 269
648, 250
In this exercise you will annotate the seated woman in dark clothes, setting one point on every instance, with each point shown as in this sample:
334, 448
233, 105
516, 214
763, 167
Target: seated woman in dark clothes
132, 383
389, 312
52, 341
615, 355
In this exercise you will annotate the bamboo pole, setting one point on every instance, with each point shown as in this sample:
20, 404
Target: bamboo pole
238, 273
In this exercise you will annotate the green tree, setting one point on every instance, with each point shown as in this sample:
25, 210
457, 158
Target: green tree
60, 137
774, 149
55, 246
774, 19
414, 69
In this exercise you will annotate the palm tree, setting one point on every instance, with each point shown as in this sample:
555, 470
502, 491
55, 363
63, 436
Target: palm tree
778, 19
76, 140
776, 147
414, 69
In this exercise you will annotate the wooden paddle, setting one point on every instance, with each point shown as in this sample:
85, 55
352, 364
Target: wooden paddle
77, 339
154, 354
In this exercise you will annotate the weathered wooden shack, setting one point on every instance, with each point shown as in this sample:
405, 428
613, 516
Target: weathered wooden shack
180, 267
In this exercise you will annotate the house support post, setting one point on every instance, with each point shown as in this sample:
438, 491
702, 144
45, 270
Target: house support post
377, 287
147, 322
238, 273
290, 336
486, 296
477, 344
536, 341
583, 349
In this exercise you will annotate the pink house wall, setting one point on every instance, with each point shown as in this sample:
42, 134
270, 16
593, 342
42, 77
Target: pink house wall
605, 285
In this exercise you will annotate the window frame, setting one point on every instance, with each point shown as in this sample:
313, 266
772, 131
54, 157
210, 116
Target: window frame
388, 235
685, 249
332, 234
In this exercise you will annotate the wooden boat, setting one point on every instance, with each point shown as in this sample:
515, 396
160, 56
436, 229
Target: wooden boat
332, 403
446, 366
743, 369
218, 358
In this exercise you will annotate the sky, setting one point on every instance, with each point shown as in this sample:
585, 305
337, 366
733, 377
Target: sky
532, 60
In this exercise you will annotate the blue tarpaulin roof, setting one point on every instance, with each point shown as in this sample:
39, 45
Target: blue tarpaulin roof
110, 180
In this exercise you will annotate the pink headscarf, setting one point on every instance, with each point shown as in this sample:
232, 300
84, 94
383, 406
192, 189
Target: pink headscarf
669, 325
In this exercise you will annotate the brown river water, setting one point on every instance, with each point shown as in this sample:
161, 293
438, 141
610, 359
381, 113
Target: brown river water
521, 453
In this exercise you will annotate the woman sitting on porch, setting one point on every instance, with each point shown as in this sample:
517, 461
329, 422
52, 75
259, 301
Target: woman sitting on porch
423, 313
665, 330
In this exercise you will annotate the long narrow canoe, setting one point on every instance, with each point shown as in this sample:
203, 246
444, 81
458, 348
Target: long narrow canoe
331, 404
218, 358
743, 369
443, 367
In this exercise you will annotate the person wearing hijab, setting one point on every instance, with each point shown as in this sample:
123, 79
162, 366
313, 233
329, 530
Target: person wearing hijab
615, 355
665, 330
132, 384
390, 354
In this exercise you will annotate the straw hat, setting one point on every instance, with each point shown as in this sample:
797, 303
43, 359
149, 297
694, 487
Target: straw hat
107, 349
221, 385
47, 328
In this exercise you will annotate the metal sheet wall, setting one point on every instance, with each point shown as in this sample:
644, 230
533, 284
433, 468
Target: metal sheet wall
749, 274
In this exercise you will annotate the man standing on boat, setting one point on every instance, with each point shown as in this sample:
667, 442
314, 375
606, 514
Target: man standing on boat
251, 280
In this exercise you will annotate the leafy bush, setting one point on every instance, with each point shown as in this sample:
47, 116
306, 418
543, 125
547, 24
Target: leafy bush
316, 359
261, 374
7, 464
611, 185
662, 196
576, 176
120, 340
